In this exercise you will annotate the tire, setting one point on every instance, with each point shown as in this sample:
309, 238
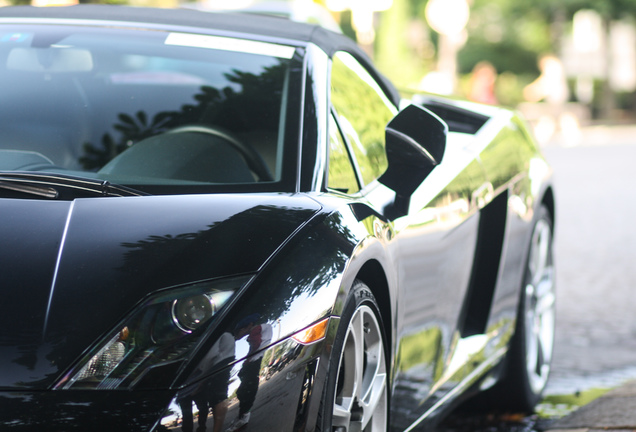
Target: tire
355, 396
530, 353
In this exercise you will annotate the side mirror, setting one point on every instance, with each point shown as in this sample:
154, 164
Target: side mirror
415, 144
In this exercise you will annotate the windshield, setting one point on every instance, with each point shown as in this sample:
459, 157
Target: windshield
149, 109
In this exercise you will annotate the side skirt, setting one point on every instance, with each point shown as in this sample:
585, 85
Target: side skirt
464, 385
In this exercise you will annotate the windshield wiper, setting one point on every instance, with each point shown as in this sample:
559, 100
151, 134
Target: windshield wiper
53, 186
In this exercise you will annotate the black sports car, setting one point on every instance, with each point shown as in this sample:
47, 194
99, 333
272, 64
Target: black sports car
235, 223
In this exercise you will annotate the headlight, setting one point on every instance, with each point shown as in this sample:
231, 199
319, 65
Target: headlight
193, 312
159, 333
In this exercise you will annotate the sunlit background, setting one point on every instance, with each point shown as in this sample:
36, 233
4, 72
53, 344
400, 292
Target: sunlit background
565, 64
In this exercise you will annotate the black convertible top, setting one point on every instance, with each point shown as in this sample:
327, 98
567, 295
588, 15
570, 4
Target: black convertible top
247, 24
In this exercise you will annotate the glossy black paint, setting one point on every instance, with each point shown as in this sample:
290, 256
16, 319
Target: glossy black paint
107, 254
27, 411
415, 144
71, 270
289, 377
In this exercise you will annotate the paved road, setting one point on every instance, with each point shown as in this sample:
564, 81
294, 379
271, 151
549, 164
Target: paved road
596, 258
596, 293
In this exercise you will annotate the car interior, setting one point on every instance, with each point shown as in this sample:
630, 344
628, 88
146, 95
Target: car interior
73, 104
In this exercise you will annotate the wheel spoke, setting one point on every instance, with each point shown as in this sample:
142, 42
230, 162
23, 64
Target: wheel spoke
341, 417
361, 403
540, 253
546, 297
357, 332
531, 340
376, 397
540, 303
546, 336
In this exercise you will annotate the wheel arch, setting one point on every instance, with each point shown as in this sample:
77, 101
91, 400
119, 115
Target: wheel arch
373, 275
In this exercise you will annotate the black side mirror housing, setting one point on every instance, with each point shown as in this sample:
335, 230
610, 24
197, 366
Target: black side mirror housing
415, 144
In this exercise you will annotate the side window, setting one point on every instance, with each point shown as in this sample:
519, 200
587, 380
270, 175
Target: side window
363, 112
342, 176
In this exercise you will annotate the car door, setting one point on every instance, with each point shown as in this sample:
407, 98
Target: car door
435, 241
438, 242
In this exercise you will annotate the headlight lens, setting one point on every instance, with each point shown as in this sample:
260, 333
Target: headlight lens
161, 332
192, 312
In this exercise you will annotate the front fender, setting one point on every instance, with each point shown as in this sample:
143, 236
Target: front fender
309, 277
307, 280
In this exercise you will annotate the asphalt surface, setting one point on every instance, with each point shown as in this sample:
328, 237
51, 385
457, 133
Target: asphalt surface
595, 248
595, 346
615, 411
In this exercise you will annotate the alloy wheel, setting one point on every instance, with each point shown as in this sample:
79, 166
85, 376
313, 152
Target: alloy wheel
360, 402
540, 305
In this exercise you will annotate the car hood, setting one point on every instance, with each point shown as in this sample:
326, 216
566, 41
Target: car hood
71, 270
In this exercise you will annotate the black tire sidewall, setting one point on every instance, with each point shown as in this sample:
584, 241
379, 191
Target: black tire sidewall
359, 295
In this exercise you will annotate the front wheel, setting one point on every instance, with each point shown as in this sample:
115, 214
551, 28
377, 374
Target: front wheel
355, 397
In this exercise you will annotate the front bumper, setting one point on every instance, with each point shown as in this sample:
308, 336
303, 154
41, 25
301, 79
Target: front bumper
286, 387
280, 388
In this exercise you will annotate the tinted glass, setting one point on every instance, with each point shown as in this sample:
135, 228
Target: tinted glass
363, 113
342, 176
142, 107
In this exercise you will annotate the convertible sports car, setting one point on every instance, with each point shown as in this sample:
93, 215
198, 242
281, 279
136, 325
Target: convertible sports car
230, 222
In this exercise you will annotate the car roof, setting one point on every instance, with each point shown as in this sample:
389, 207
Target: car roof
252, 25
224, 21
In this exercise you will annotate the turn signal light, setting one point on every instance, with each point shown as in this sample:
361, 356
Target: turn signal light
313, 333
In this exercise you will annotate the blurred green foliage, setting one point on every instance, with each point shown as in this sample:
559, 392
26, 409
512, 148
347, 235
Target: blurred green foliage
610, 9
351, 88
424, 347
510, 34
557, 406
398, 51
510, 39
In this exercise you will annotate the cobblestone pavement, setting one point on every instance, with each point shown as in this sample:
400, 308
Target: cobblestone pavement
596, 260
